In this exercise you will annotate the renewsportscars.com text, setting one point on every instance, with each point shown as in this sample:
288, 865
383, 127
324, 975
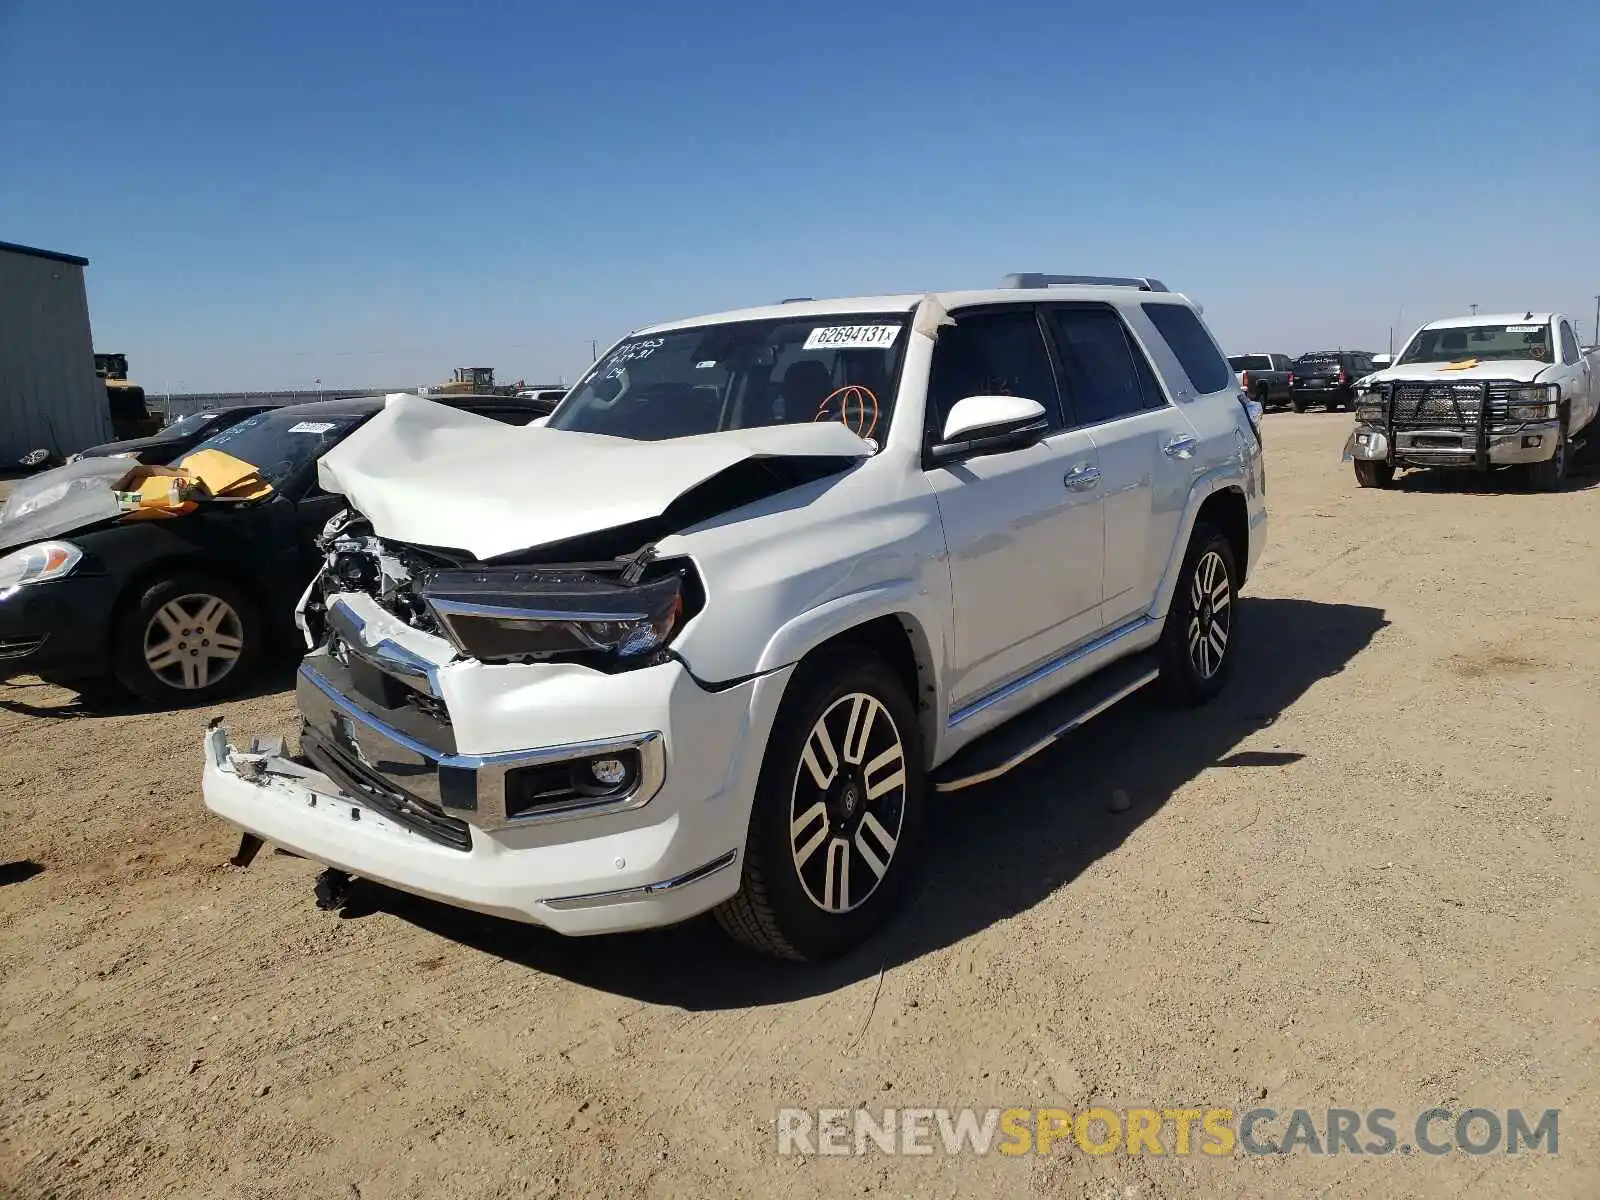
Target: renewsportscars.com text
1216, 1132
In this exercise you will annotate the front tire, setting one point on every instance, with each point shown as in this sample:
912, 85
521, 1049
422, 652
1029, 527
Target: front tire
1551, 474
834, 835
1374, 474
189, 639
1196, 648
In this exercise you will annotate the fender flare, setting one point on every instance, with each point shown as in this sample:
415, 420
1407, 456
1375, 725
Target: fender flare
1218, 479
801, 634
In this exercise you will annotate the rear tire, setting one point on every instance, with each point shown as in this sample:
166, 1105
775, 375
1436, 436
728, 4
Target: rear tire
1196, 647
1374, 474
835, 830
191, 638
1299, 405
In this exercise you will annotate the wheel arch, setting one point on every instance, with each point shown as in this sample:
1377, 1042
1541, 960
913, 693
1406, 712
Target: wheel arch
905, 640
1219, 500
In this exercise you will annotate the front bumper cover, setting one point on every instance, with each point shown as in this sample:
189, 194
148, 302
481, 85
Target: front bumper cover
1505, 445
657, 862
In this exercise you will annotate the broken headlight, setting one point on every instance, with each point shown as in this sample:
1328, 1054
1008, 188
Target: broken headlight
525, 614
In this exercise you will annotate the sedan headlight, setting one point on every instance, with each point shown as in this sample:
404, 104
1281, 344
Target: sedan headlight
532, 615
38, 563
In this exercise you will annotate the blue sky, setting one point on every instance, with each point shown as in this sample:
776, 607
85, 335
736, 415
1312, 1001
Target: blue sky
372, 194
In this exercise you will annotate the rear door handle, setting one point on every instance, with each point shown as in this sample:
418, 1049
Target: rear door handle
1181, 446
1082, 477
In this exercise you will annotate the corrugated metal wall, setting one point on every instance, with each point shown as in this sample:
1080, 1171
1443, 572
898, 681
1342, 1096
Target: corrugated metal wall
49, 394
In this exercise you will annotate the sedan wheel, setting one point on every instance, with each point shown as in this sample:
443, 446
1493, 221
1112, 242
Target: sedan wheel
188, 639
193, 642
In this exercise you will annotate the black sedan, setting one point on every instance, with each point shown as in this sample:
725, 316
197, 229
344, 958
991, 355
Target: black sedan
180, 610
177, 439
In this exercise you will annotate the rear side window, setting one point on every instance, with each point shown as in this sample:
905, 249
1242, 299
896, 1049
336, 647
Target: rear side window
1201, 360
1106, 376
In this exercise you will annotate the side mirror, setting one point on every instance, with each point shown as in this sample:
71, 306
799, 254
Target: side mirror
989, 425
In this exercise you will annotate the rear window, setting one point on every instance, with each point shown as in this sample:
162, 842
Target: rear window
1251, 362
1208, 371
1316, 362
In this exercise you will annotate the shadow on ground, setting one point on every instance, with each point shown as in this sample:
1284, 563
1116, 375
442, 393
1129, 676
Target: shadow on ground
1498, 482
992, 852
104, 698
18, 872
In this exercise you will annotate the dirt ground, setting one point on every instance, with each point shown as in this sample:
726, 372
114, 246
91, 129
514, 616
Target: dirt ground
1364, 878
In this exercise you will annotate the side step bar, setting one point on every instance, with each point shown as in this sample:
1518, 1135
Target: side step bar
1020, 738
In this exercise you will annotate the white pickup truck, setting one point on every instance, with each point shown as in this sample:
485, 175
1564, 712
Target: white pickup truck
705, 639
1479, 392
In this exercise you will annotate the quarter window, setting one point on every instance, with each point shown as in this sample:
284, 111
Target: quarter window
1201, 360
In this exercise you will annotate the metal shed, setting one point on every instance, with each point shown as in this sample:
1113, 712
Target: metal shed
49, 394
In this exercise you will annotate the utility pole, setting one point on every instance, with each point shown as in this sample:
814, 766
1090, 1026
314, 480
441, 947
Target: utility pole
1474, 310
594, 345
1597, 320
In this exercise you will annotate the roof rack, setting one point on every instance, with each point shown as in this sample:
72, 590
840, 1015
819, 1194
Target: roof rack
796, 299
1033, 279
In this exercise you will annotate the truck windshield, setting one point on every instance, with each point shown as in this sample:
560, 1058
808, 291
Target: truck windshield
743, 375
1487, 342
1250, 362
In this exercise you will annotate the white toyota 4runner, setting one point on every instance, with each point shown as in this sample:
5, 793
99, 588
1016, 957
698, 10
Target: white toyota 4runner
707, 639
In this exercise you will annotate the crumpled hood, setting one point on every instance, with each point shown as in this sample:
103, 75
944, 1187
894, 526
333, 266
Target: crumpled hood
431, 475
60, 501
1521, 370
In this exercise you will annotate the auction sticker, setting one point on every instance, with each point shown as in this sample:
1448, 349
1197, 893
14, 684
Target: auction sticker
311, 427
852, 337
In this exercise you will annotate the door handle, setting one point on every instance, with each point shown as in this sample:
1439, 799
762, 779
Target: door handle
1181, 446
1082, 477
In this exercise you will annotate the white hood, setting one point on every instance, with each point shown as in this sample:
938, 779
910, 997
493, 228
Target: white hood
429, 474
1520, 370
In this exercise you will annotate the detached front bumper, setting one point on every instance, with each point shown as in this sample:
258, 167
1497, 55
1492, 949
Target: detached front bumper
1446, 447
600, 869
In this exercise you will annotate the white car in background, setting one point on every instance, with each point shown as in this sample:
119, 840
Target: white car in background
706, 639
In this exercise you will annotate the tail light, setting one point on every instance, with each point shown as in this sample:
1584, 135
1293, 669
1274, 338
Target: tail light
1244, 381
1291, 378
1344, 376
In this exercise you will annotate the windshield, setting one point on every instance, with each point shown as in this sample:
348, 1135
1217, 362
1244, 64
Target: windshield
277, 444
744, 375
1250, 362
1484, 342
193, 423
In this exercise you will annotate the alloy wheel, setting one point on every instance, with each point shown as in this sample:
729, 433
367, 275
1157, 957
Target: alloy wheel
193, 642
848, 803
1211, 617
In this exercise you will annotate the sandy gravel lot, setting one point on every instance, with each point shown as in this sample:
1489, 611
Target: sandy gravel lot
1365, 878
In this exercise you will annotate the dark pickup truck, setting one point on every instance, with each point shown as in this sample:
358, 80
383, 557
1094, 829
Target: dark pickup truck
1263, 377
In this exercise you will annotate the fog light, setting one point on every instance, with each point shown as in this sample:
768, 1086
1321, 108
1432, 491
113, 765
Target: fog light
1532, 441
609, 771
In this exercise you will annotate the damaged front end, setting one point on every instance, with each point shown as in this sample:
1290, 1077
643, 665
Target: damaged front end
611, 615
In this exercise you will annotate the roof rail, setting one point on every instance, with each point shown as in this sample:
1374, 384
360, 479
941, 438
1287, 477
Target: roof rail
796, 299
1033, 279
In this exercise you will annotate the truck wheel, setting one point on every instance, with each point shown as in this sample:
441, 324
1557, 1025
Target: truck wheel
1551, 474
1374, 474
188, 639
1196, 647
834, 832
1264, 398
1299, 404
